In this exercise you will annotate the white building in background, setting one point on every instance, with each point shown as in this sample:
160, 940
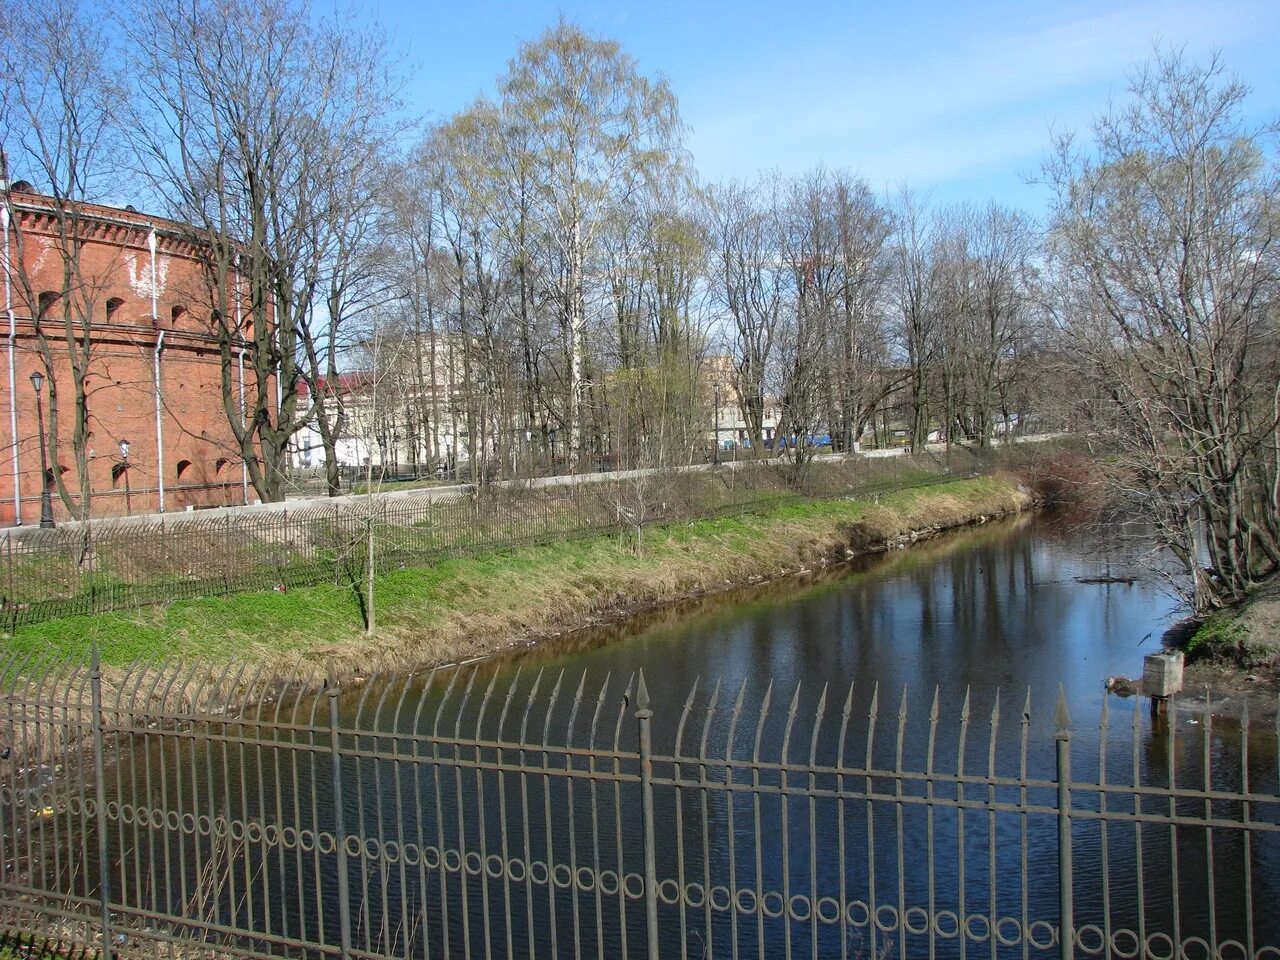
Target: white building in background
308, 446
729, 426
406, 412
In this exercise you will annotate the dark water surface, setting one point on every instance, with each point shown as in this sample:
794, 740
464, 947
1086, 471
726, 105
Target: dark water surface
996, 607
812, 740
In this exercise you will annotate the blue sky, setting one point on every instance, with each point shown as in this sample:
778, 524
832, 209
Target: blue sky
955, 98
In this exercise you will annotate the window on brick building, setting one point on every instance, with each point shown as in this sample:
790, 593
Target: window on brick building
219, 465
117, 473
46, 300
183, 467
177, 313
113, 308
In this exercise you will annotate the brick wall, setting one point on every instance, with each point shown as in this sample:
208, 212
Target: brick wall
197, 458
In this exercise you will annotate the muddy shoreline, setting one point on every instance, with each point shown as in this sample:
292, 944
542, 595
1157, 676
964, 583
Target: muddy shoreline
1227, 688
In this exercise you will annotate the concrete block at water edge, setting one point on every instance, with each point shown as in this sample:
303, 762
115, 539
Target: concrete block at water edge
1162, 673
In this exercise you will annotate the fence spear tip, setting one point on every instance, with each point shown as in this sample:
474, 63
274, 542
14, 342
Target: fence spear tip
642, 693
693, 692
604, 688
847, 710
1061, 716
795, 702
767, 700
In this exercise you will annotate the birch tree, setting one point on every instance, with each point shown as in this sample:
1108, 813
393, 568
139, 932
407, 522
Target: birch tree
595, 130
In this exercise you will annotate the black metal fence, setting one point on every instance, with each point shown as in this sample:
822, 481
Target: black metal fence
114, 565
476, 812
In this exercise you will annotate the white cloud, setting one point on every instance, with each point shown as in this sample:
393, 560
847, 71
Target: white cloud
987, 100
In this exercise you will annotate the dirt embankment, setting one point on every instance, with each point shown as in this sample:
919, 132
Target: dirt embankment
1238, 650
1246, 637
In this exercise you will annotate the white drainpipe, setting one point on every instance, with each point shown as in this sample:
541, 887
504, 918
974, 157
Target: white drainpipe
155, 321
244, 463
275, 316
13, 395
159, 422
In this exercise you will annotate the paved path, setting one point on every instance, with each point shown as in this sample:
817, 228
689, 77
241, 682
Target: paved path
455, 491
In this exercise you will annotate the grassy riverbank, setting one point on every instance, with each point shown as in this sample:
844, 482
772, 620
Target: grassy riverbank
1245, 638
473, 606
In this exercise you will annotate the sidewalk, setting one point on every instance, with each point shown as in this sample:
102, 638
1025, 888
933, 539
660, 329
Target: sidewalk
455, 491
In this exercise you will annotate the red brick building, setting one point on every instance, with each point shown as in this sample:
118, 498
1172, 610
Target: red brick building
153, 364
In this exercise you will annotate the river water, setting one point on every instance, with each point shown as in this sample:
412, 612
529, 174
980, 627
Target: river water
1001, 617
945, 657
1001, 606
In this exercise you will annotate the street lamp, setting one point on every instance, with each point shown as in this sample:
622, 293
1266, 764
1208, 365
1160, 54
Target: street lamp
46, 505
717, 425
551, 435
124, 468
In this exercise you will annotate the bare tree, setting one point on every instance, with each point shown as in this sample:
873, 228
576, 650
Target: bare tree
241, 110
917, 315
834, 242
58, 106
748, 282
859, 377
1164, 238
351, 182
983, 281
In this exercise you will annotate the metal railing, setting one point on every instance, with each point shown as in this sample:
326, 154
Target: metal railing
476, 812
115, 565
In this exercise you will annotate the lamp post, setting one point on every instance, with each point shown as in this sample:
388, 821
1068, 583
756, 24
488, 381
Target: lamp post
46, 505
551, 435
716, 457
124, 468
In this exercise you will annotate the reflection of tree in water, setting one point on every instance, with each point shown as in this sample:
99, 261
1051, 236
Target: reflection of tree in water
740, 600
1120, 547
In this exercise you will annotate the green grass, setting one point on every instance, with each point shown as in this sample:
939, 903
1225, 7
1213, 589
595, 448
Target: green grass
391, 485
26, 946
1219, 633
466, 605
1239, 636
